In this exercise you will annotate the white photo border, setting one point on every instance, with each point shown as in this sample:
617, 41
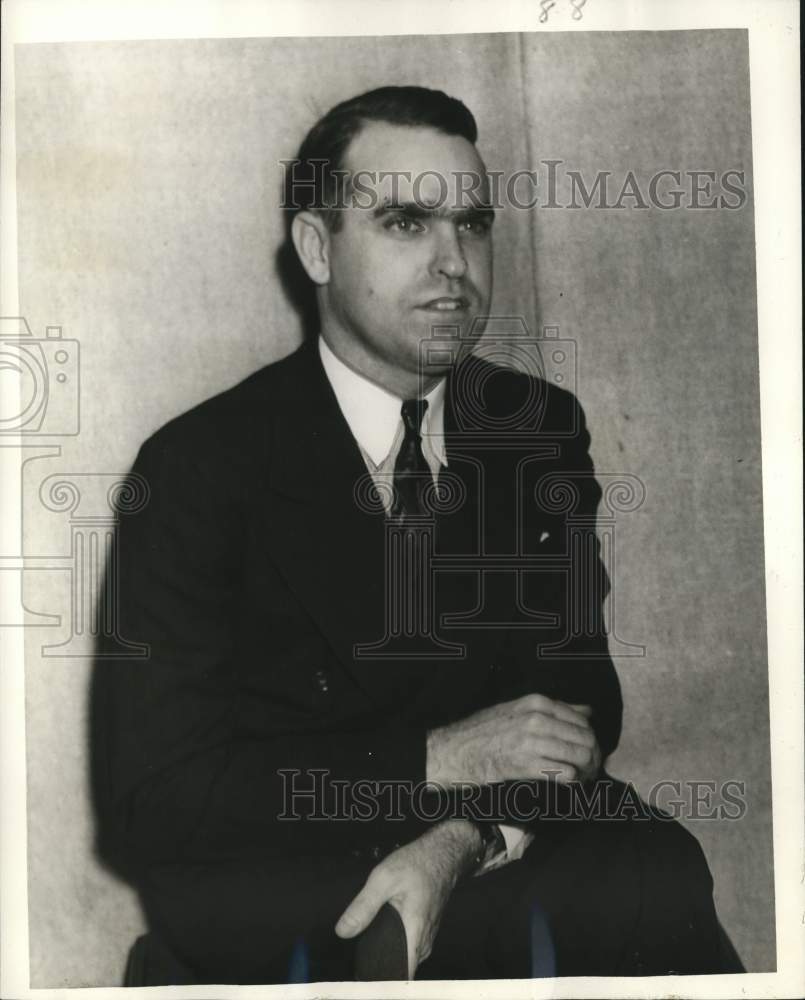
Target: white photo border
773, 28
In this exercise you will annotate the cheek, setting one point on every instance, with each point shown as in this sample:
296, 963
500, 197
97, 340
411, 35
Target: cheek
480, 259
391, 285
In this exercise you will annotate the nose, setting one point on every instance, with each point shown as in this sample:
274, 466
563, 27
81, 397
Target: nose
448, 258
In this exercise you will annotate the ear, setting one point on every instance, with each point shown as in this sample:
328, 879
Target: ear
311, 238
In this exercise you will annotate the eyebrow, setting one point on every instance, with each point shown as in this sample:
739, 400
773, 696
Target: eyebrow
414, 210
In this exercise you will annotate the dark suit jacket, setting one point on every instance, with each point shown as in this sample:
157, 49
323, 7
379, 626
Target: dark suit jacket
252, 573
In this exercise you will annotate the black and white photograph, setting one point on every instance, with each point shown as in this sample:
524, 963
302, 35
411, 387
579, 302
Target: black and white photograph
401, 442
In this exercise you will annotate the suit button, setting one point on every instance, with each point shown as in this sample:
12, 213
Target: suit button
321, 680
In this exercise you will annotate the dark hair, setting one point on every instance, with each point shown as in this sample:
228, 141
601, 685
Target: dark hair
311, 181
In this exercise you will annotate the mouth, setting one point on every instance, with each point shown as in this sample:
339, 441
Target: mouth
446, 304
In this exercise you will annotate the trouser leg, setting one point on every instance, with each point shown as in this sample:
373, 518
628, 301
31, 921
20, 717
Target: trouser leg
594, 898
677, 930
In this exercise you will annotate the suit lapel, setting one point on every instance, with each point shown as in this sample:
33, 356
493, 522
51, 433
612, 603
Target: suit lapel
325, 537
328, 539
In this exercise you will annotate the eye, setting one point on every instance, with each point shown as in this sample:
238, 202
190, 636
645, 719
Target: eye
477, 225
403, 224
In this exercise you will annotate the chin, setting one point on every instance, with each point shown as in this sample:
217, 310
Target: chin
435, 352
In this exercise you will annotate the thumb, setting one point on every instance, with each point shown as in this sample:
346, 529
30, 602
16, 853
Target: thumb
361, 911
414, 927
413, 940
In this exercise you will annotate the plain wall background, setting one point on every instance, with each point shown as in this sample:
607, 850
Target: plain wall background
148, 189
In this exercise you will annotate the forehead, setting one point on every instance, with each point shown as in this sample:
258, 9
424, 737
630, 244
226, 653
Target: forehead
437, 163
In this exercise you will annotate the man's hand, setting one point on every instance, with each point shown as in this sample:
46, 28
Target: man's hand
417, 880
516, 740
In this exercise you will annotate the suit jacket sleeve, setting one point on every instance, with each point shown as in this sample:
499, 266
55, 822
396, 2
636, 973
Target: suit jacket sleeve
173, 776
569, 661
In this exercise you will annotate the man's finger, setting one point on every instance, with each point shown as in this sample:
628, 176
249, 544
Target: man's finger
361, 911
585, 710
577, 715
554, 749
573, 732
413, 939
558, 770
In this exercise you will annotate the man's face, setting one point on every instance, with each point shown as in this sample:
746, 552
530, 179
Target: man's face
413, 253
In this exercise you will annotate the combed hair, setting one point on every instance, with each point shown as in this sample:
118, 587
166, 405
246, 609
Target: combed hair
313, 181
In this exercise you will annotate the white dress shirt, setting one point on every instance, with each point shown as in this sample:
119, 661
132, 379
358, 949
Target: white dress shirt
374, 417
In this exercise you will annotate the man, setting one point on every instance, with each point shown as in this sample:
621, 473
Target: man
383, 473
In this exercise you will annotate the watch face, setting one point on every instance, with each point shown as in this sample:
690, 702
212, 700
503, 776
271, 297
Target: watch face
493, 840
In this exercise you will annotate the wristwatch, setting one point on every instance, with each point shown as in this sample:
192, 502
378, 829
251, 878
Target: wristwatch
492, 840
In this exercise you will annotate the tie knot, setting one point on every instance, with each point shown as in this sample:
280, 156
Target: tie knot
413, 410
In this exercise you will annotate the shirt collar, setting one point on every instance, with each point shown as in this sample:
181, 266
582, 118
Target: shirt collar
373, 413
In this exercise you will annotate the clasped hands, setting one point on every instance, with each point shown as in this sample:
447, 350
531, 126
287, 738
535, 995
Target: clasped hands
524, 739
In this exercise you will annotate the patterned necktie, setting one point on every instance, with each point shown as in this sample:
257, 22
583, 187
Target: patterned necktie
412, 473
